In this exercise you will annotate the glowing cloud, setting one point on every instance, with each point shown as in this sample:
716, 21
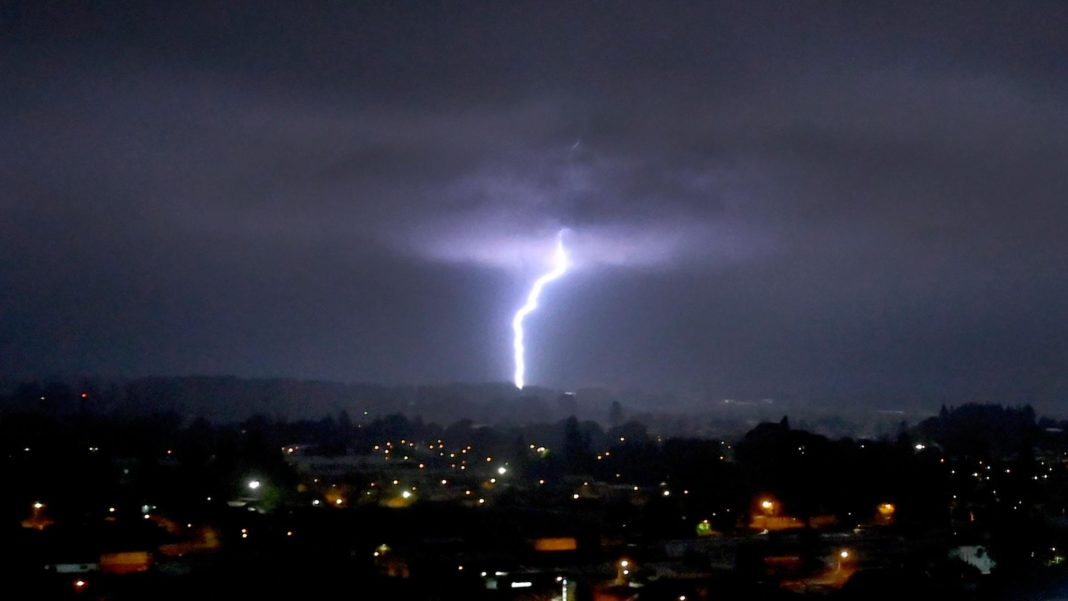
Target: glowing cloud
560, 265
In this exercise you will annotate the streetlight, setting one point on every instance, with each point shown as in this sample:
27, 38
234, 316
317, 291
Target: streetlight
844, 556
623, 570
253, 484
886, 512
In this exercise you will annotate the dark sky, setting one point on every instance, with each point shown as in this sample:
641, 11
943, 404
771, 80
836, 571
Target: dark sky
854, 202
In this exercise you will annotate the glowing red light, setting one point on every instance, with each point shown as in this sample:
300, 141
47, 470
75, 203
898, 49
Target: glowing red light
85, 395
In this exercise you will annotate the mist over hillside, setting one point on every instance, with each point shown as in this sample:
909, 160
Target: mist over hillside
233, 399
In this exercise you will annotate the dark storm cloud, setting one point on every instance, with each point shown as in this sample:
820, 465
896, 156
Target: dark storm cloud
824, 201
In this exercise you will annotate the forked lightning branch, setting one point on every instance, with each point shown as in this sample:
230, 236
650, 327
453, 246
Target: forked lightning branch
561, 262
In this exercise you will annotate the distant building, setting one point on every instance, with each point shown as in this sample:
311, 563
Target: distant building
567, 404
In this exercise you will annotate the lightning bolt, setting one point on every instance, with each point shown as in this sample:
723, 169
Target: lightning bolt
560, 265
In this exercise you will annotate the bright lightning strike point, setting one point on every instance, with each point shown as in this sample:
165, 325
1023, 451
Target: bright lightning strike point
560, 265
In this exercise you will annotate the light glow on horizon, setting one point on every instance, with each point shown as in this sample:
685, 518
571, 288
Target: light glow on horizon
561, 262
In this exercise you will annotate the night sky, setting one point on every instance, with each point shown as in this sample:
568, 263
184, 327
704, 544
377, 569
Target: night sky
839, 202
